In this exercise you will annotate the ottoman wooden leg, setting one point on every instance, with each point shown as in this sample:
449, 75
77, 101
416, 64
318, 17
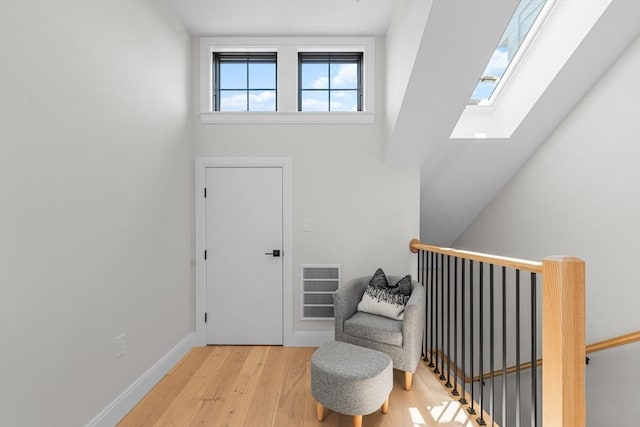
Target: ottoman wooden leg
385, 406
320, 411
357, 421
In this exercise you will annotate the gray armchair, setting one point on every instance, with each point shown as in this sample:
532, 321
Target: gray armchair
400, 339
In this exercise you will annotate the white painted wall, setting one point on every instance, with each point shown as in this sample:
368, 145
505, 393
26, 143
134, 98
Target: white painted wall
363, 213
579, 194
402, 42
95, 202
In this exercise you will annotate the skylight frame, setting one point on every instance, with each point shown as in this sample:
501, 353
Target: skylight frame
519, 55
569, 23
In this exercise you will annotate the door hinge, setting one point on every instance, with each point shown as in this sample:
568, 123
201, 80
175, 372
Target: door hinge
205, 192
205, 255
205, 317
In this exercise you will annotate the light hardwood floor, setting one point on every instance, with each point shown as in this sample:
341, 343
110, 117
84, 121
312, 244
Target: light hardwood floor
263, 386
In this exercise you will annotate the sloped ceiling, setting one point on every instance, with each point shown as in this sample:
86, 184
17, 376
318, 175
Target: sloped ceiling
459, 177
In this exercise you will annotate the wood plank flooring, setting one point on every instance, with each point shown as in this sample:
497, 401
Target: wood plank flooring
264, 386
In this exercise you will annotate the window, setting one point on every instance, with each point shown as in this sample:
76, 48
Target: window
244, 81
329, 81
235, 87
510, 43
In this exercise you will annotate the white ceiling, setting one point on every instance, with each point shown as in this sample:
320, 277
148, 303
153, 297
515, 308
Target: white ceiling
458, 177
286, 17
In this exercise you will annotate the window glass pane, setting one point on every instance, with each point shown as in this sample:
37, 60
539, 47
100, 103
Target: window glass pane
344, 76
233, 100
315, 76
339, 72
484, 90
315, 100
233, 75
262, 100
344, 100
521, 22
262, 75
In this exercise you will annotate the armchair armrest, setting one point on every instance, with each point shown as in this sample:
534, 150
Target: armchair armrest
414, 318
345, 302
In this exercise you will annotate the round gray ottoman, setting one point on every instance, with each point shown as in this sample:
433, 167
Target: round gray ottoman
350, 380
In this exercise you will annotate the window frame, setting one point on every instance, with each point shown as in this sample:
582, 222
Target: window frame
331, 58
513, 65
218, 58
287, 49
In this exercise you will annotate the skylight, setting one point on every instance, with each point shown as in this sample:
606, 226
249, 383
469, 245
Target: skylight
551, 41
510, 43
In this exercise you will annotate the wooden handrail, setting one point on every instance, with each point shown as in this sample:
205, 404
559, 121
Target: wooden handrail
519, 264
510, 370
614, 342
591, 348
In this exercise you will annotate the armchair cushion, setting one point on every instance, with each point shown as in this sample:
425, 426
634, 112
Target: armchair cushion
374, 328
386, 299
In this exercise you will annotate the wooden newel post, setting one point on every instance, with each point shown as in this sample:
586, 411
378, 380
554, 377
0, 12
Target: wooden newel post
563, 342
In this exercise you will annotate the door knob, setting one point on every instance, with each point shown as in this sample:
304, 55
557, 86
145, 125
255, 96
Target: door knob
274, 253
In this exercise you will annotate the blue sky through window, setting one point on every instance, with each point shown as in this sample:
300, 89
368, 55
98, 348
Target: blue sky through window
247, 86
251, 86
329, 86
517, 30
314, 76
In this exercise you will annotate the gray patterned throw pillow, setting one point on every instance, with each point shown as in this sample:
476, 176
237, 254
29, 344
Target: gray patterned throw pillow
386, 299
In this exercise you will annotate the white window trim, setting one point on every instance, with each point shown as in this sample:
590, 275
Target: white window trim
287, 78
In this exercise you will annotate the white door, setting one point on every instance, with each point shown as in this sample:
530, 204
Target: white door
244, 255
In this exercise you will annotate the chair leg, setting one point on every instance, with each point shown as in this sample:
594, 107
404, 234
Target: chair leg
357, 421
320, 411
385, 406
408, 379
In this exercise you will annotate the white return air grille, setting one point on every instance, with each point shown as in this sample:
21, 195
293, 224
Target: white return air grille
319, 283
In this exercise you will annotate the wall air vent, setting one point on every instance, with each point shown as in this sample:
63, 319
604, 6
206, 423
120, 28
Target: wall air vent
319, 283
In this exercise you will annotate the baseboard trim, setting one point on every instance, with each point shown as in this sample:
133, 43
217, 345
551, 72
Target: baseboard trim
117, 409
309, 339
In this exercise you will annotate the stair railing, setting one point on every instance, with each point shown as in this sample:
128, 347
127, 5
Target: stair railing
617, 341
481, 317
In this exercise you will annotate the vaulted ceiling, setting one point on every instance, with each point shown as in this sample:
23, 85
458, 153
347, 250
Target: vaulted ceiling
459, 177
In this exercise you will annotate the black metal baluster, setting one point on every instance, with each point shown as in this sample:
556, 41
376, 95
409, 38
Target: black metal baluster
470, 409
435, 369
455, 327
425, 278
419, 270
431, 274
492, 396
517, 348
448, 383
481, 347
534, 356
503, 422
422, 255
463, 398
442, 377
